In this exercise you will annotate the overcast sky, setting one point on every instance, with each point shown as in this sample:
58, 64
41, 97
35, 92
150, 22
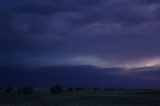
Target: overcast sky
103, 33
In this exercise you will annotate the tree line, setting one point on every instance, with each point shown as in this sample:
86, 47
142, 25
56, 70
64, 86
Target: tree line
57, 89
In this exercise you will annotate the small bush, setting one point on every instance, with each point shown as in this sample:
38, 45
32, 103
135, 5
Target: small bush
56, 90
9, 90
27, 90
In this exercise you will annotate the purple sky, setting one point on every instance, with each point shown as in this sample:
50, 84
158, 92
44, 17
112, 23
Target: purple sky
101, 33
104, 33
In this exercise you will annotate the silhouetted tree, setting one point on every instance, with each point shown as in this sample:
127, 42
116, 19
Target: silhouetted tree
56, 90
70, 90
106, 89
8, 89
27, 90
19, 90
79, 89
96, 89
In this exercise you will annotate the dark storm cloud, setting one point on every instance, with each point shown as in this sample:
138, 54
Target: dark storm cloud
108, 31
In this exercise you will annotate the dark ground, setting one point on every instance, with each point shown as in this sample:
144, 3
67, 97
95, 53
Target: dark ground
81, 98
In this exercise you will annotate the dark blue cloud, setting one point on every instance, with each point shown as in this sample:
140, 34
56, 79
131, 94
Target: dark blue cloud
84, 76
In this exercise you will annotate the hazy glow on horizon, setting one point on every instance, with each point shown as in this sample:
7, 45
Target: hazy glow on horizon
95, 61
124, 64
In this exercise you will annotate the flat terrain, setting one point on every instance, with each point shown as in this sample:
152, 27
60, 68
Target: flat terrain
80, 98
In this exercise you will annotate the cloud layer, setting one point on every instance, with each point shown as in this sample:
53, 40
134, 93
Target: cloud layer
99, 32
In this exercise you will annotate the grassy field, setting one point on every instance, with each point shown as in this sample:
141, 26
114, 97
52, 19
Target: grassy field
88, 97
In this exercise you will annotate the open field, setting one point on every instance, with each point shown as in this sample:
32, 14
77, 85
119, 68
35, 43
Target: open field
82, 98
